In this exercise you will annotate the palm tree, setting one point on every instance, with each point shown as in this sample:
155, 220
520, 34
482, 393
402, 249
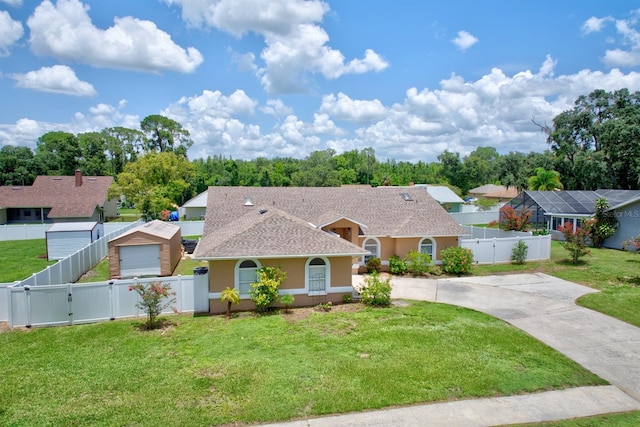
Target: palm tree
545, 180
231, 296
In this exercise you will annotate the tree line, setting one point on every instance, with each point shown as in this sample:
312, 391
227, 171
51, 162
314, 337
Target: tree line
594, 145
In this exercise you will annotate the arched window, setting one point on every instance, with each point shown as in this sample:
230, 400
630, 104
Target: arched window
317, 276
427, 246
372, 245
245, 275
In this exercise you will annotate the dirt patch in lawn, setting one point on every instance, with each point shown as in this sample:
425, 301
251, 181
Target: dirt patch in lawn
297, 314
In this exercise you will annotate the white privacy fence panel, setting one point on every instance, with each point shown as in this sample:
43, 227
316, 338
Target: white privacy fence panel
191, 228
483, 217
494, 251
489, 233
70, 304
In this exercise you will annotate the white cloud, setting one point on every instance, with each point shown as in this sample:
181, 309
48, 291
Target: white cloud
65, 31
464, 40
594, 25
12, 2
296, 45
344, 108
10, 32
57, 79
629, 57
276, 108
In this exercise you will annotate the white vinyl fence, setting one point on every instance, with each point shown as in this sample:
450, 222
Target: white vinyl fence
70, 269
482, 217
38, 231
489, 233
495, 251
70, 304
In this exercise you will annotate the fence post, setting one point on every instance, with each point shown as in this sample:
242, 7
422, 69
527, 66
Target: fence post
493, 257
70, 301
27, 289
112, 302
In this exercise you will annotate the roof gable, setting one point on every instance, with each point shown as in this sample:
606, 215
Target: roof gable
270, 232
162, 229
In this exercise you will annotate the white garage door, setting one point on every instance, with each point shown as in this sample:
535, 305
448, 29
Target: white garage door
143, 260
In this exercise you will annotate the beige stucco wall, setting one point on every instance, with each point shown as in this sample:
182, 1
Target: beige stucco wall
222, 274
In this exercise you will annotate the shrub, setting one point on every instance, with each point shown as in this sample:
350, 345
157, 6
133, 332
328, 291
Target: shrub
397, 265
231, 296
457, 260
265, 291
632, 244
287, 300
375, 291
575, 242
346, 298
154, 297
603, 224
418, 263
519, 252
512, 220
324, 306
540, 232
373, 265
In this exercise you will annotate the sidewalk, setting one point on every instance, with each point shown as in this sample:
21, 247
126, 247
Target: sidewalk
543, 306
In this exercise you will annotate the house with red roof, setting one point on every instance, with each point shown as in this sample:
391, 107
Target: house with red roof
50, 199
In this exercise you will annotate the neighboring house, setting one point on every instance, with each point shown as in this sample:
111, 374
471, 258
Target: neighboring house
445, 196
500, 193
151, 249
628, 216
317, 235
58, 199
551, 209
194, 208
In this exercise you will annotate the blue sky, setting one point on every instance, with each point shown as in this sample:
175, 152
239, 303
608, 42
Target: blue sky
253, 78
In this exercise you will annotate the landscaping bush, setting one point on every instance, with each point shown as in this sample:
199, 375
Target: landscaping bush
265, 291
155, 297
397, 265
632, 244
519, 252
376, 291
231, 296
512, 220
287, 300
373, 265
457, 260
418, 263
575, 242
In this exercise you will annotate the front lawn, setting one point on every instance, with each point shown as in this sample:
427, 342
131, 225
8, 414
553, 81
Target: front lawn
211, 371
22, 258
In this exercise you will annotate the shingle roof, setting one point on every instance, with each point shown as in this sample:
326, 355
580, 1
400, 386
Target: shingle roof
381, 210
487, 188
59, 193
270, 232
162, 229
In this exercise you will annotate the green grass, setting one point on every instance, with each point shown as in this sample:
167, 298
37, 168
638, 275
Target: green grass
616, 273
211, 371
21, 258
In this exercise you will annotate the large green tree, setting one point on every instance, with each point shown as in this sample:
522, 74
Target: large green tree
155, 182
165, 134
58, 153
17, 166
601, 122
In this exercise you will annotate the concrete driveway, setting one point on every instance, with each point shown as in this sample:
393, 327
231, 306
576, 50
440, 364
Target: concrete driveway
544, 307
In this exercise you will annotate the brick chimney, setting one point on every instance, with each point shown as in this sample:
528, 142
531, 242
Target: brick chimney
78, 178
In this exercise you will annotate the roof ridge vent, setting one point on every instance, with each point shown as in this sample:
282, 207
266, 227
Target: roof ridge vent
406, 197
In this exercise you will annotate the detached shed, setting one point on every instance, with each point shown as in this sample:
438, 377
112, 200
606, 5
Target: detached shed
151, 249
66, 238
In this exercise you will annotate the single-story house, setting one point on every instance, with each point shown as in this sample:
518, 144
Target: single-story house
66, 238
551, 209
151, 249
75, 198
194, 208
500, 193
315, 232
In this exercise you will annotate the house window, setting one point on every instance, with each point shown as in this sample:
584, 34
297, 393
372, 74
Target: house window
317, 276
426, 247
372, 245
246, 274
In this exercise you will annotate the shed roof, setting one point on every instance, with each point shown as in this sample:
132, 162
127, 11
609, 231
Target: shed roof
72, 226
158, 228
200, 201
442, 194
